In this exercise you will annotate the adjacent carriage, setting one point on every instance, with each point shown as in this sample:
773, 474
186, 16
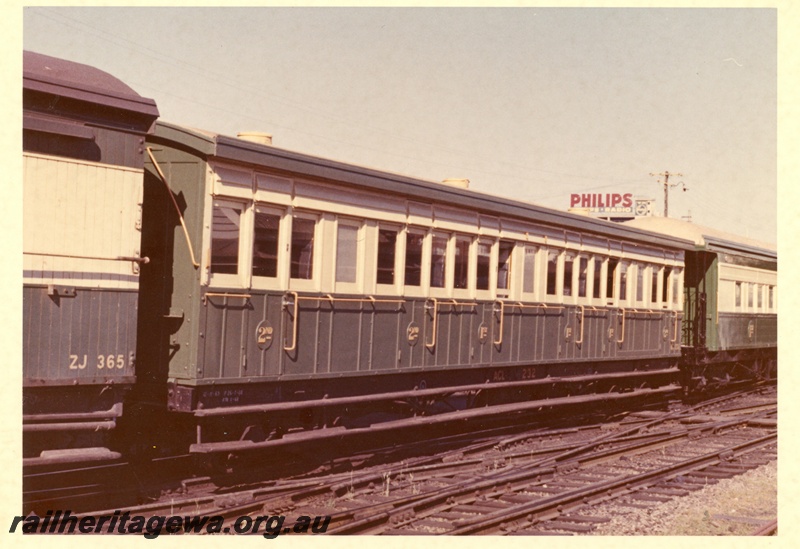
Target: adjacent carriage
730, 305
83, 146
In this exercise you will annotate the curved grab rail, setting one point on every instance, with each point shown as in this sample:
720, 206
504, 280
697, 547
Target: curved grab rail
195, 264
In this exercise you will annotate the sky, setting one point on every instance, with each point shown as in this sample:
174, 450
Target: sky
528, 103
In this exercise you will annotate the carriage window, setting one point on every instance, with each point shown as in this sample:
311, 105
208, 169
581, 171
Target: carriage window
225, 239
639, 282
623, 281
414, 258
654, 286
665, 285
484, 262
438, 257
675, 280
552, 269
750, 295
612, 269
598, 273
760, 294
569, 261
265, 244
346, 253
387, 244
583, 267
529, 269
771, 298
738, 294
462, 262
504, 265
302, 253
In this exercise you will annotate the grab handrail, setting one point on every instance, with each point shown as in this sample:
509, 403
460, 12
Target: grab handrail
221, 294
675, 328
502, 311
435, 308
195, 264
134, 259
623, 327
583, 312
332, 299
295, 302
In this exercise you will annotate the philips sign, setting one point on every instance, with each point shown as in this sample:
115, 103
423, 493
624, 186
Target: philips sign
601, 203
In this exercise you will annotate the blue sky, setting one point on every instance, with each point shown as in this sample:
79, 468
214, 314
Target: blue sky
529, 103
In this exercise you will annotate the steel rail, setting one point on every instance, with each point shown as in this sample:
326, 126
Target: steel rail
564, 461
530, 512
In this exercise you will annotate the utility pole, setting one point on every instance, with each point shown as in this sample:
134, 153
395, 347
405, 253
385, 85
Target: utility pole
666, 175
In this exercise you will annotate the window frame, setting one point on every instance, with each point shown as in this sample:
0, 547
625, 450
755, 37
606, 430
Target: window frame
676, 288
640, 291
622, 280
313, 283
567, 274
446, 288
597, 278
611, 295
666, 284
278, 282
399, 258
471, 259
358, 285
509, 289
587, 297
241, 278
533, 294
655, 280
557, 294
491, 267
422, 290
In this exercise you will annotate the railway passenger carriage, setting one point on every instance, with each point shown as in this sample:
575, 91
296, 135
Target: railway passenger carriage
83, 144
287, 292
730, 304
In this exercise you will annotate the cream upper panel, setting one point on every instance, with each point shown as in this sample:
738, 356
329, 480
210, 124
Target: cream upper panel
79, 219
467, 240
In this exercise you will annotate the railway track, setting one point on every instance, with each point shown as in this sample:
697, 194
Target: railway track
543, 481
556, 494
85, 487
